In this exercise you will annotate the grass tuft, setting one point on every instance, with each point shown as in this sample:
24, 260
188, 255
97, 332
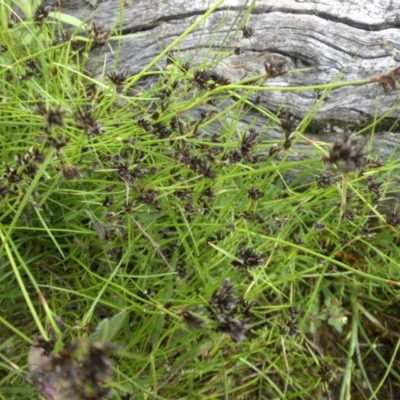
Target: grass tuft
213, 261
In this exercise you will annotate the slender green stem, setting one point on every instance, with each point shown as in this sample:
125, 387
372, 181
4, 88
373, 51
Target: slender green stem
387, 372
345, 393
22, 286
174, 43
343, 202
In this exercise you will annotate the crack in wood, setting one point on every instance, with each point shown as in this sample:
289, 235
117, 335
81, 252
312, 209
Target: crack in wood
336, 19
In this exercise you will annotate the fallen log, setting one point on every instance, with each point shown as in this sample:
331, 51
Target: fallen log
318, 43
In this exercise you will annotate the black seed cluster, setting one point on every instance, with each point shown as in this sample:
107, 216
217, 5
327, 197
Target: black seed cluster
245, 152
325, 374
218, 80
86, 121
255, 194
393, 219
249, 258
290, 328
197, 164
79, 370
145, 124
71, 172
275, 69
374, 187
61, 38
201, 78
348, 154
52, 116
366, 232
118, 78
224, 310
325, 179
148, 197
318, 226
128, 172
288, 125
98, 34
248, 32
12, 19
389, 81
58, 3
40, 15
249, 140
25, 167
190, 319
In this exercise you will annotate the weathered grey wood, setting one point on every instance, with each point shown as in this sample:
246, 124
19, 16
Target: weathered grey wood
320, 41
351, 39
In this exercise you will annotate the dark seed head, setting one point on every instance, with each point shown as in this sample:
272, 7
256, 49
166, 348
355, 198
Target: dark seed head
275, 68
247, 32
40, 15
201, 78
71, 172
98, 33
393, 219
325, 180
190, 319
52, 116
118, 77
249, 258
255, 194
348, 154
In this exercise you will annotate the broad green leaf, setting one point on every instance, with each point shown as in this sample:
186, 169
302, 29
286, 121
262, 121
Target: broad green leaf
337, 323
107, 329
68, 19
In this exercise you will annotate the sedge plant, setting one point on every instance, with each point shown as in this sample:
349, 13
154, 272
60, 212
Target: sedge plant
161, 245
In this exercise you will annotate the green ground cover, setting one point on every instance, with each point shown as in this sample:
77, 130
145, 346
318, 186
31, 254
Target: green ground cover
220, 263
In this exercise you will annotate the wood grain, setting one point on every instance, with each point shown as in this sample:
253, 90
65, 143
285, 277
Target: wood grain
319, 41
350, 40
